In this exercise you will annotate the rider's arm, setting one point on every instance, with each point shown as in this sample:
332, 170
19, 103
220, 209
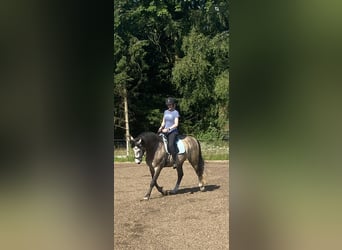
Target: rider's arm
175, 125
162, 125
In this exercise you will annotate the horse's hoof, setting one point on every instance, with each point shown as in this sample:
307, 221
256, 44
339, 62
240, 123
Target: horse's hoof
167, 192
202, 189
146, 198
173, 191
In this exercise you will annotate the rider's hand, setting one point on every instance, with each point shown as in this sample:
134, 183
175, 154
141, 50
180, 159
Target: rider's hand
165, 130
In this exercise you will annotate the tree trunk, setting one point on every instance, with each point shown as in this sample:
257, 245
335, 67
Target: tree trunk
126, 121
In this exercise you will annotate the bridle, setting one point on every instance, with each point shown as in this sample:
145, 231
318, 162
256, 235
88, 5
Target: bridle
139, 152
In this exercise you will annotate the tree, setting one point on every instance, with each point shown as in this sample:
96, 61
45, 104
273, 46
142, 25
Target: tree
171, 48
201, 77
144, 56
128, 75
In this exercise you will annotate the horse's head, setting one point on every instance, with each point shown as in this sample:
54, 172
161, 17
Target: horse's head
138, 149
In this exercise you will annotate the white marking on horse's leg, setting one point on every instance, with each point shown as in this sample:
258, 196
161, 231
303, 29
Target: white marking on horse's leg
201, 186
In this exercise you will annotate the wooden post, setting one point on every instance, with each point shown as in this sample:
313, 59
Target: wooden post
126, 121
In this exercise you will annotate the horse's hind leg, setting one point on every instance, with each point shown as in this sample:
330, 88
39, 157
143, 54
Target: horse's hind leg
199, 169
201, 183
180, 176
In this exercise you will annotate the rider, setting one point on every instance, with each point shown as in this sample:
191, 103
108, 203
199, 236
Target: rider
169, 126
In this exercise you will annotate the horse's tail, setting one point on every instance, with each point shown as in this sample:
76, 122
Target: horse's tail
200, 160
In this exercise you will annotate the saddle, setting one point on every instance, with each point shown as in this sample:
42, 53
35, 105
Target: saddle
179, 143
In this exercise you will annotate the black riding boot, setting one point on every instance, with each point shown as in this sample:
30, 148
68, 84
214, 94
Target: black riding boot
175, 161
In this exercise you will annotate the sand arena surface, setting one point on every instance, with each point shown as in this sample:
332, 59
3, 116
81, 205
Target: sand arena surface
189, 219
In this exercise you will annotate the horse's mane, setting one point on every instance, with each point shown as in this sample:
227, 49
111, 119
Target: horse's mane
150, 138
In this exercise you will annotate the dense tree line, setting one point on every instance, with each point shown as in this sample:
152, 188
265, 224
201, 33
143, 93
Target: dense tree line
174, 48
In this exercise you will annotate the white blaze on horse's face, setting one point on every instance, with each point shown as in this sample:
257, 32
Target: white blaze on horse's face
137, 154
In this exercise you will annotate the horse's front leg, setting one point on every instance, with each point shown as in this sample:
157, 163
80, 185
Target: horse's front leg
155, 174
160, 189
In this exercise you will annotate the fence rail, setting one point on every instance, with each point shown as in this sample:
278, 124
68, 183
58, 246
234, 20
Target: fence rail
119, 143
211, 149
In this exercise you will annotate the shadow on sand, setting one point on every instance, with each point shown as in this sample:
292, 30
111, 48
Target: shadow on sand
192, 190
208, 188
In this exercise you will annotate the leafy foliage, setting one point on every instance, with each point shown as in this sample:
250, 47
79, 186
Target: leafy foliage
172, 48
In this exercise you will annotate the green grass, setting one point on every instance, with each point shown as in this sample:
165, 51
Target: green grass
120, 155
215, 150
218, 157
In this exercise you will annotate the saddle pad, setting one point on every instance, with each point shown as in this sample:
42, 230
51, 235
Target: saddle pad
180, 146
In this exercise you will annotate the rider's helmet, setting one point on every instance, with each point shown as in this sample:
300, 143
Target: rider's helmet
170, 100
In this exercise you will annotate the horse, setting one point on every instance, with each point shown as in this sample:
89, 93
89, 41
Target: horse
157, 158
